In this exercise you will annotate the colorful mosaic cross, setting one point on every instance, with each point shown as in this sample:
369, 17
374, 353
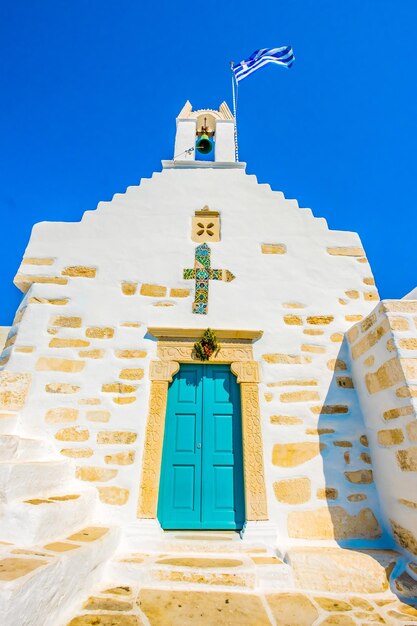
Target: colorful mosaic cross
202, 273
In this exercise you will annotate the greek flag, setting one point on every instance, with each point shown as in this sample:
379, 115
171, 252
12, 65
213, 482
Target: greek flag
281, 56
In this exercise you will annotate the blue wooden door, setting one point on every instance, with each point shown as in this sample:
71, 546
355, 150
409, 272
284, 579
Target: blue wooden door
201, 482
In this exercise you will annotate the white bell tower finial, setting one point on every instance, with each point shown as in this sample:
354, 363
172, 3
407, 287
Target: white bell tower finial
205, 135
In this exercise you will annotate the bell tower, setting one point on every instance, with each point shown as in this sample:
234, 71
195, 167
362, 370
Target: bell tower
205, 135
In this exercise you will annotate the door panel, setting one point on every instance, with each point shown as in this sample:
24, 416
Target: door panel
202, 468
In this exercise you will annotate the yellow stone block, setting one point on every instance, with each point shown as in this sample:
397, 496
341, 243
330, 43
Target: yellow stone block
353, 318
337, 337
58, 342
407, 459
357, 497
360, 477
370, 295
369, 280
72, 434
23, 282
124, 400
400, 306
91, 354
66, 321
346, 251
96, 332
320, 319
290, 359
368, 322
390, 373
330, 409
369, 340
408, 391
313, 331
398, 412
156, 291
77, 453
168, 607
404, 537
308, 347
61, 414
94, 474
61, 388
51, 364
91, 533
54, 301
113, 437
293, 490
285, 420
293, 305
24, 349
130, 354
268, 397
293, 454
37, 261
352, 293
61, 546
118, 388
300, 396
411, 429
131, 374
274, 248
327, 493
336, 364
344, 381
12, 568
80, 271
14, 388
120, 458
333, 523
89, 401
98, 416
390, 437
115, 496
293, 320
408, 344
399, 323
292, 609
179, 293
339, 571
129, 289
369, 361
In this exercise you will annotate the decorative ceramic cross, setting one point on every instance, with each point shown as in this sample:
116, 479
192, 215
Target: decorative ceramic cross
202, 273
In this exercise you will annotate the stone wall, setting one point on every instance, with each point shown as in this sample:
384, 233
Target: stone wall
79, 344
384, 363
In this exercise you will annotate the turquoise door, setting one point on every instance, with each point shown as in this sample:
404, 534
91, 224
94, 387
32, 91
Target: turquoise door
201, 482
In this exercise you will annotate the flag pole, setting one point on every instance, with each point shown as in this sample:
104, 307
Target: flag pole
234, 97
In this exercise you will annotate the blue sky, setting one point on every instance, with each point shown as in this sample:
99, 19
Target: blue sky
90, 90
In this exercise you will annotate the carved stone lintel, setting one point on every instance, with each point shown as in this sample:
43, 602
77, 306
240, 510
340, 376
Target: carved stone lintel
253, 462
246, 371
163, 370
183, 351
152, 454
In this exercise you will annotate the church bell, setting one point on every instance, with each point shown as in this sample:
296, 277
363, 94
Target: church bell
204, 144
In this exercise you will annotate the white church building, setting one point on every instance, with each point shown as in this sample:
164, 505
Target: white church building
264, 476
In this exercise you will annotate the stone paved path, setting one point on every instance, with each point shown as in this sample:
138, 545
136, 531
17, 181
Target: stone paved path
127, 606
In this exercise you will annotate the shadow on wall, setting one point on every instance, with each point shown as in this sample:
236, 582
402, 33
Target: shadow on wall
352, 515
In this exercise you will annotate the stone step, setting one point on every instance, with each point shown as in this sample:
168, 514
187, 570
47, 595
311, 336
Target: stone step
137, 537
15, 448
235, 570
27, 479
36, 520
9, 421
41, 586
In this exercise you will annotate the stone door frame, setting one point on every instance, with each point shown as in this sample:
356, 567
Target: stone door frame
176, 346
